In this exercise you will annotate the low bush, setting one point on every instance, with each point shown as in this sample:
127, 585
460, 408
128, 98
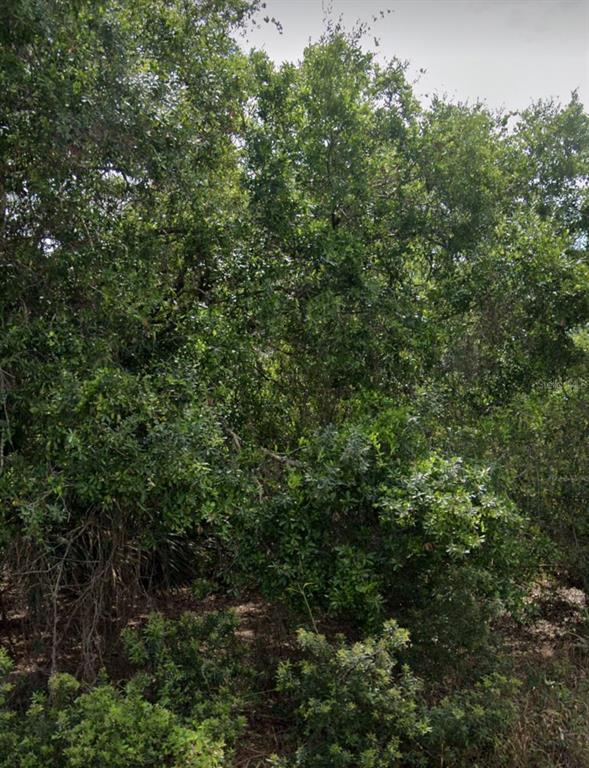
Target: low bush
356, 705
467, 726
101, 728
352, 705
193, 666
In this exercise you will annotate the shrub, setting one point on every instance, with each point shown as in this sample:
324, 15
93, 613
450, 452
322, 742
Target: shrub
367, 525
353, 705
315, 538
469, 724
126, 730
540, 448
453, 553
193, 667
102, 728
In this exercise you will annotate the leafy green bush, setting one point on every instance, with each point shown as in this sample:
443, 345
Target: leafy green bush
353, 705
317, 538
115, 730
470, 723
193, 666
540, 448
453, 552
367, 524
102, 728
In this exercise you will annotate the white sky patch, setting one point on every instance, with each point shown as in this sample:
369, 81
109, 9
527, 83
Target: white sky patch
505, 52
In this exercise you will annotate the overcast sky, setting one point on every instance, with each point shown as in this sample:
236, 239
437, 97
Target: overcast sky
507, 52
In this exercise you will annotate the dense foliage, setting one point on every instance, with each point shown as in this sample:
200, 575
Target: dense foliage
281, 331
353, 707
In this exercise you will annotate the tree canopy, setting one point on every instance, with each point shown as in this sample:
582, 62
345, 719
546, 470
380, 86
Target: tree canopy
282, 329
